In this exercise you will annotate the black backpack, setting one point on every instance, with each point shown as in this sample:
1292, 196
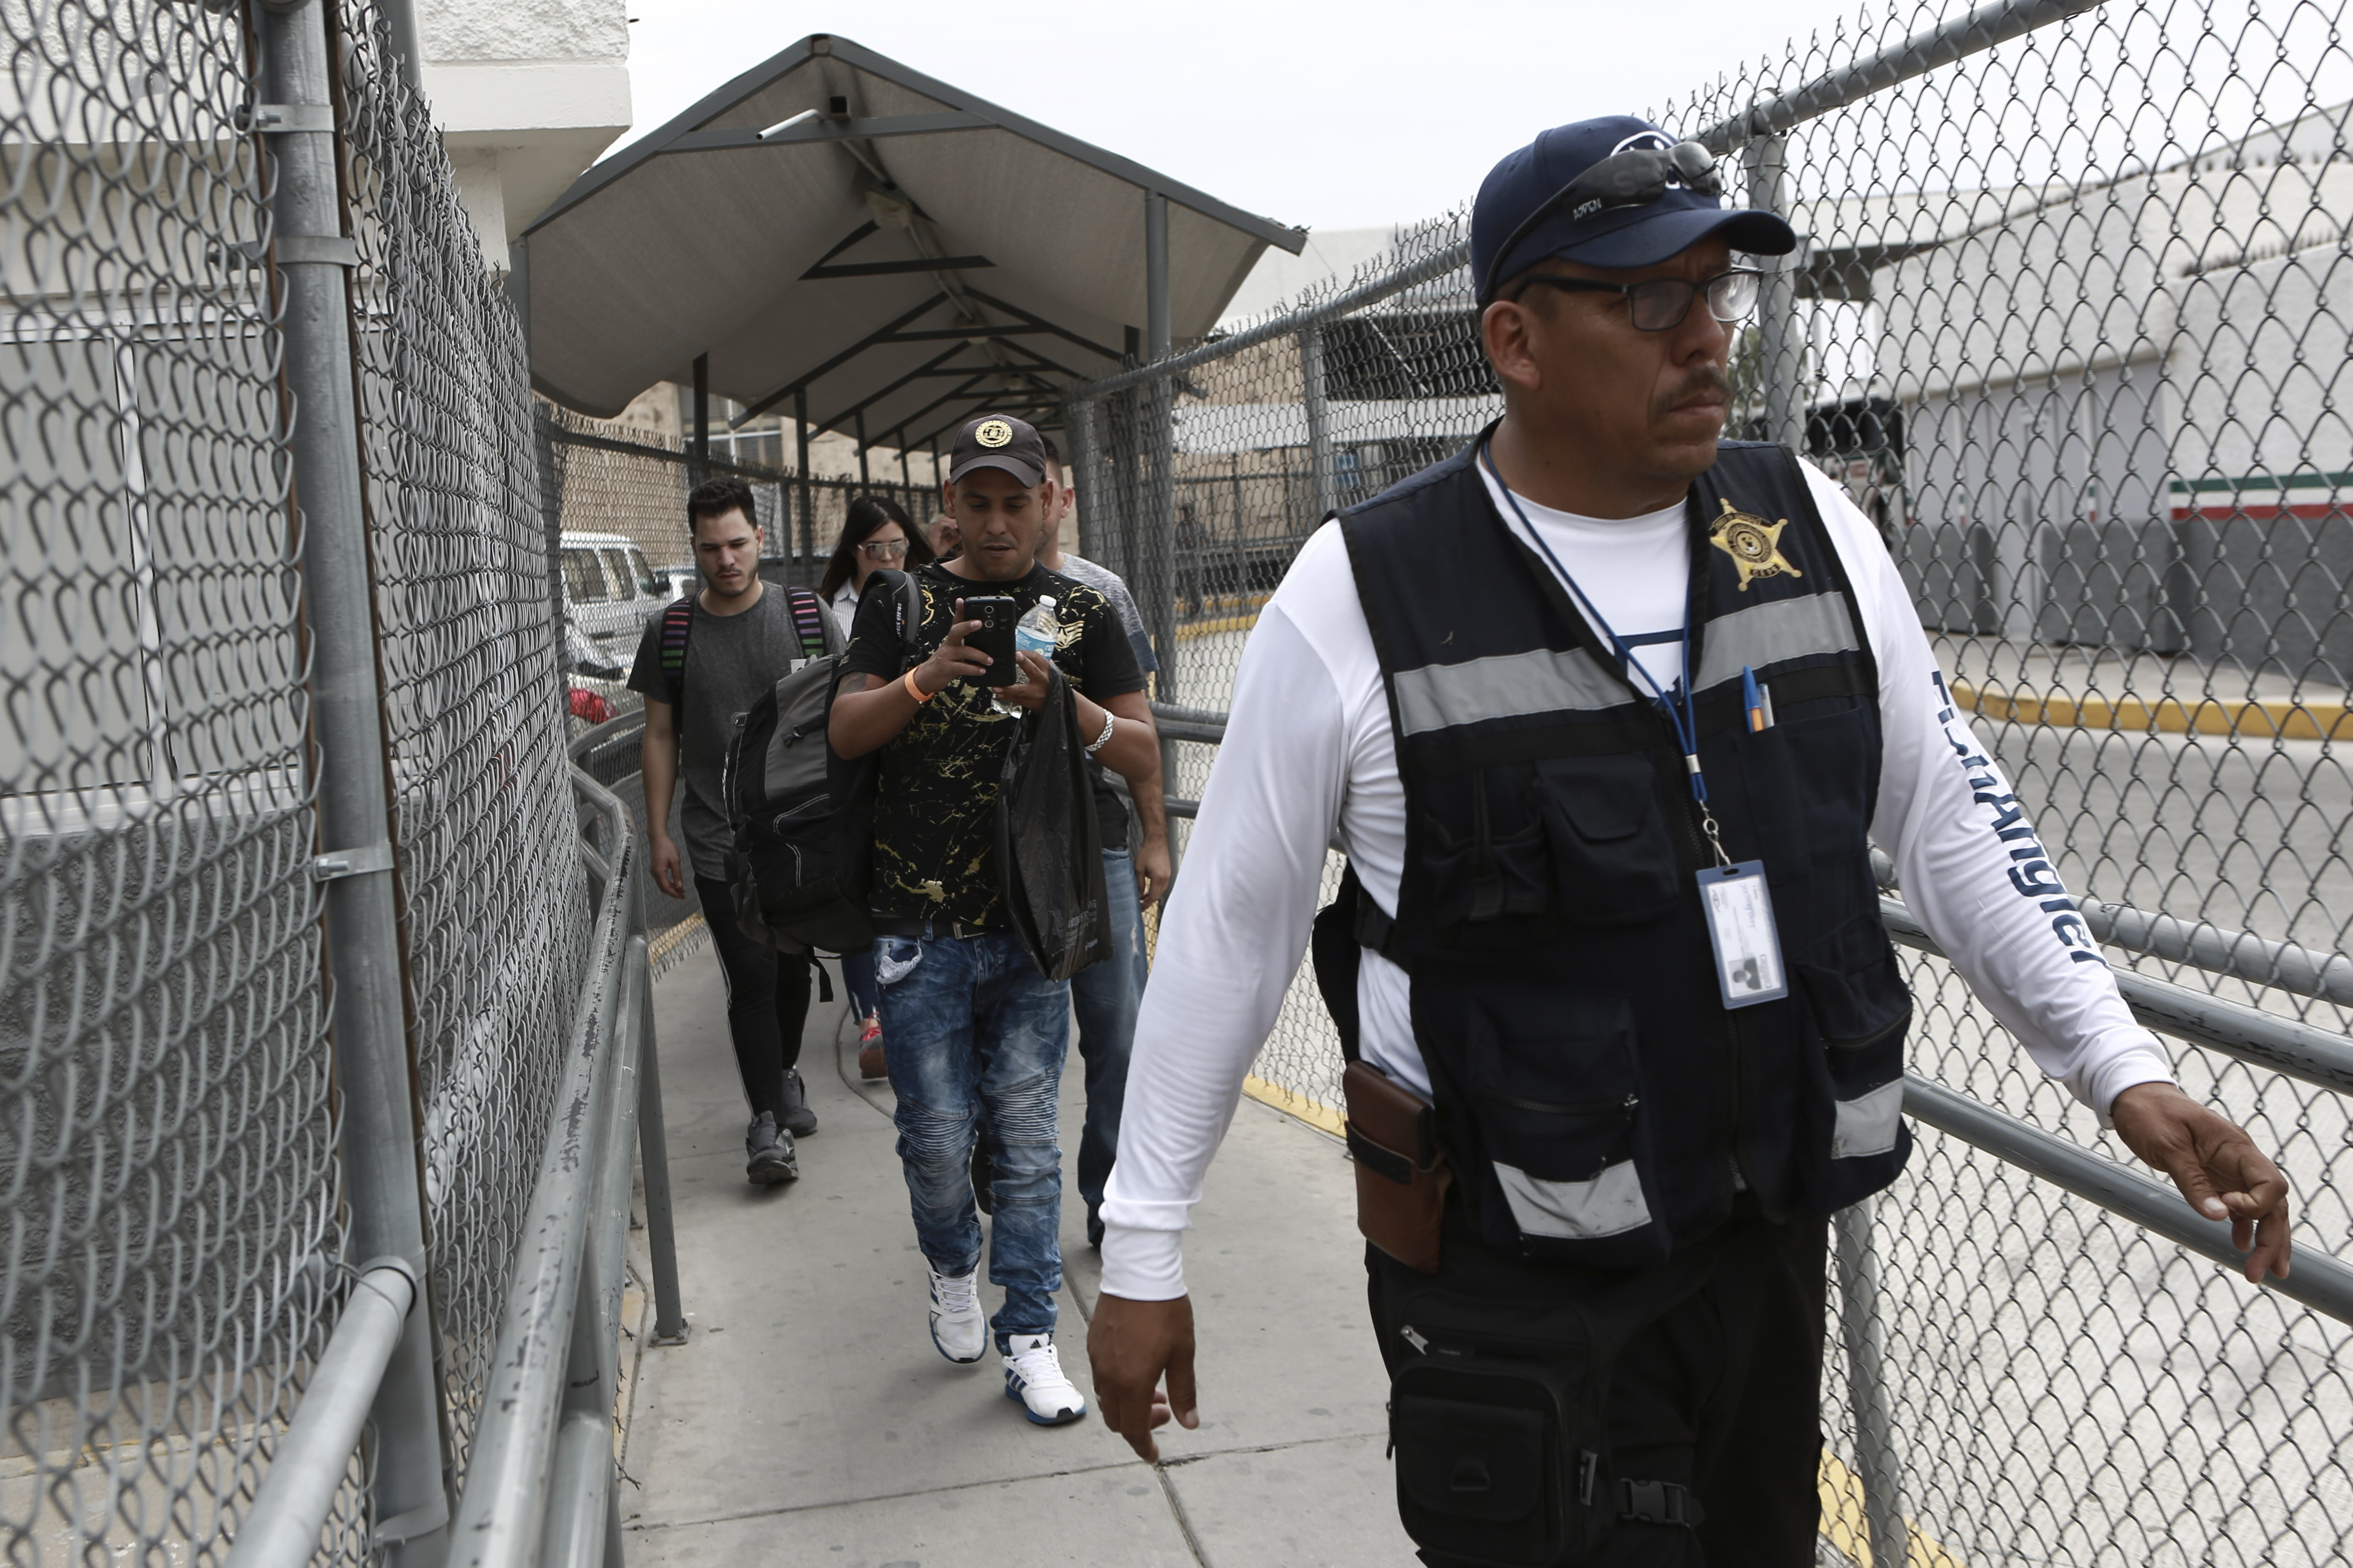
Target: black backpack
802, 818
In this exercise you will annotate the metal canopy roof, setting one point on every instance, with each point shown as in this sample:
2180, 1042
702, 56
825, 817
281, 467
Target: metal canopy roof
834, 225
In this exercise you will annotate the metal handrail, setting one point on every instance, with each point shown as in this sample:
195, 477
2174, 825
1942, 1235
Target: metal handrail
314, 1457
2242, 955
534, 1474
539, 1471
2261, 1039
2320, 1281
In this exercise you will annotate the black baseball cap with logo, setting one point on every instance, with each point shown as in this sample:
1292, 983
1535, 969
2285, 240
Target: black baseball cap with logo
999, 441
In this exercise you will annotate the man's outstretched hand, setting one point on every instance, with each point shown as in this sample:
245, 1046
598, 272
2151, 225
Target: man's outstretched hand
2216, 1166
1130, 1344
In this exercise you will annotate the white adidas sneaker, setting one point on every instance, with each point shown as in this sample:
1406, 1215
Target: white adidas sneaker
959, 1328
1033, 1377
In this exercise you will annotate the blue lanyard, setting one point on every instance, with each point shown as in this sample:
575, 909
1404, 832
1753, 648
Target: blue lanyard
1684, 721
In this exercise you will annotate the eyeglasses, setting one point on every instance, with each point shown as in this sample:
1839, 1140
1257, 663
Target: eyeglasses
1660, 304
884, 548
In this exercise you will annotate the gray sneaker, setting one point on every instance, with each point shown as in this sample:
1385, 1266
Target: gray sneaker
770, 1148
798, 1119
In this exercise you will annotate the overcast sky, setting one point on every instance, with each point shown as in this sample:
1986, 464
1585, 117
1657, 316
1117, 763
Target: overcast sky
1328, 115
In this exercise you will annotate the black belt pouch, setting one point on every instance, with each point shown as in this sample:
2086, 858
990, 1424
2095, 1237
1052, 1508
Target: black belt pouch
1496, 1420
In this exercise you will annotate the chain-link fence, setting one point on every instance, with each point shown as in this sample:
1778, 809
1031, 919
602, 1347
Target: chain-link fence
2071, 327
202, 202
493, 902
173, 1239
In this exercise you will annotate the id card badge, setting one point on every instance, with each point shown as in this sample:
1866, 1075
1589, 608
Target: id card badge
1740, 927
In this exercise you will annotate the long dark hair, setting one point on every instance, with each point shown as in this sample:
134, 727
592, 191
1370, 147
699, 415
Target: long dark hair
866, 516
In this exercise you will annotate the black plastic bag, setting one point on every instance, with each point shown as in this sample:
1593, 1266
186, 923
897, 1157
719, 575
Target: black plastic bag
1049, 844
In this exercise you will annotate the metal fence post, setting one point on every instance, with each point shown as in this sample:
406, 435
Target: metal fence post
551, 511
1161, 433
1086, 462
653, 1145
1319, 426
1780, 340
410, 1499
1874, 1422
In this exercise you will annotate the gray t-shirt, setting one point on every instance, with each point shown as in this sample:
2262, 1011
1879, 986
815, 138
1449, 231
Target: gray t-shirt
730, 661
1115, 804
1106, 581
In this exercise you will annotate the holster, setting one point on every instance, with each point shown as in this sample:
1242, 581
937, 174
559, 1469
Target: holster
1401, 1174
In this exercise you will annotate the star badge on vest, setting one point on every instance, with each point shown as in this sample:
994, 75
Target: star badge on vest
1753, 544
994, 433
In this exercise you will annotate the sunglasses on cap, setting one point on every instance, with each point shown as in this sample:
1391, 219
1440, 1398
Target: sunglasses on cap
1634, 178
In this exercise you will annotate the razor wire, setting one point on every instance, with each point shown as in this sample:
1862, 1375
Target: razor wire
2070, 325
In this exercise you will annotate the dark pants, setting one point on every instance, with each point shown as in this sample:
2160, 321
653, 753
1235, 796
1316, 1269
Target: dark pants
767, 1000
1717, 1387
858, 979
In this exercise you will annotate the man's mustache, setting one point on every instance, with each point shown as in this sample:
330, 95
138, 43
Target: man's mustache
1708, 379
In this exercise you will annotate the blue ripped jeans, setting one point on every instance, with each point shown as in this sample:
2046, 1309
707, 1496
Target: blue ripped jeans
1105, 997
972, 1033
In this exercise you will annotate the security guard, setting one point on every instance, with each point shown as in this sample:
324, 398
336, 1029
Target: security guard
1606, 711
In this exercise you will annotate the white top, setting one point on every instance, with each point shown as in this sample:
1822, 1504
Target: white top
1308, 750
844, 605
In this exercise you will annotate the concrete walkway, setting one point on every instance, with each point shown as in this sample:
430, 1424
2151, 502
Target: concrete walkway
808, 1420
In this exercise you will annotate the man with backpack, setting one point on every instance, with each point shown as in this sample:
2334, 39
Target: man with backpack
974, 1032
705, 659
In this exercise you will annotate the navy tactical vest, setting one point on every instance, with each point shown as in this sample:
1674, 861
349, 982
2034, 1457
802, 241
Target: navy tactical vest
1595, 1094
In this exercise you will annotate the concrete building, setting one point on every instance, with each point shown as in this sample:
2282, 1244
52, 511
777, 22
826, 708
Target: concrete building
528, 93
2123, 423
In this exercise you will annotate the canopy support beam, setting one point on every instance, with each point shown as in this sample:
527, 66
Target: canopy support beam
799, 384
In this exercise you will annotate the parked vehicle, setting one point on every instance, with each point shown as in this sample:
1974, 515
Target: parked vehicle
1859, 444
610, 595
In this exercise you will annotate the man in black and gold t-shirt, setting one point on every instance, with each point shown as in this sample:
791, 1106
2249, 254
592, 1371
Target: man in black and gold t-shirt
973, 1032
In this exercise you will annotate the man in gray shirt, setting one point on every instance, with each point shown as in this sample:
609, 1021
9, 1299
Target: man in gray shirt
701, 662
1107, 996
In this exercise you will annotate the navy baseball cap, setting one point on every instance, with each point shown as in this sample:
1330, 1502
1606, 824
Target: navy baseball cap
1617, 237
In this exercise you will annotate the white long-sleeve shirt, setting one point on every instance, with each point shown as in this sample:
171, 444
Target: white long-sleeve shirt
1309, 749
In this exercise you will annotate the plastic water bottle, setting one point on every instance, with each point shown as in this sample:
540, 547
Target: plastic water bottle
1038, 632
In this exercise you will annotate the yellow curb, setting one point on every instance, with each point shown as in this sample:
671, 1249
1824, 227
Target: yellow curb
1193, 630
1241, 620
2261, 718
1845, 1526
662, 946
1317, 1114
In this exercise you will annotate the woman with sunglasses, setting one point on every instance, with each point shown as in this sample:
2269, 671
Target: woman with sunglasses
876, 534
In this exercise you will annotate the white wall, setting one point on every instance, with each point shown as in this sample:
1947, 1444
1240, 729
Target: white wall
528, 93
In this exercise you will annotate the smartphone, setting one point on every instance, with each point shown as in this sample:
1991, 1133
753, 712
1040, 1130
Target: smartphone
997, 613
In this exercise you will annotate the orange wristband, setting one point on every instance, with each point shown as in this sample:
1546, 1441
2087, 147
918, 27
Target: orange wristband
915, 691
